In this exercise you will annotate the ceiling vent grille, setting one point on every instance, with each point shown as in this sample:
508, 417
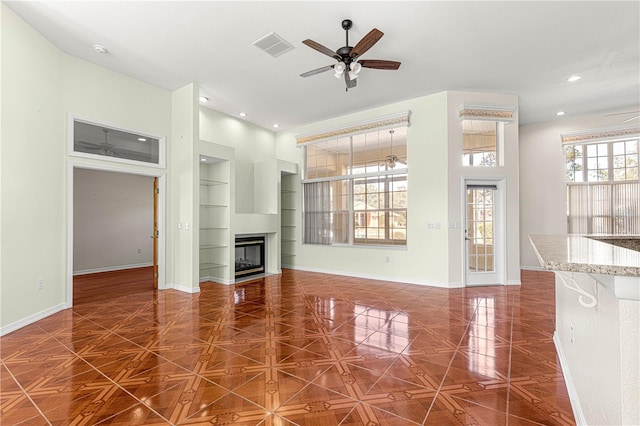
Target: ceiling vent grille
273, 44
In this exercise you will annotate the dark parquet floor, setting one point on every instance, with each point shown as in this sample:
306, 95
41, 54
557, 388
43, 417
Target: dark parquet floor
299, 348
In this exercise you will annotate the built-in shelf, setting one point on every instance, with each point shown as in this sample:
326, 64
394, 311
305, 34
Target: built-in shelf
204, 266
207, 206
214, 221
288, 217
209, 182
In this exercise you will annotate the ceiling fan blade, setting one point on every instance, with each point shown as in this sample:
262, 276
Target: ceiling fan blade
87, 144
316, 71
366, 43
350, 83
379, 64
320, 48
622, 113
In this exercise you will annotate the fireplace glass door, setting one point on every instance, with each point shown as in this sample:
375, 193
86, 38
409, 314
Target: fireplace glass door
249, 256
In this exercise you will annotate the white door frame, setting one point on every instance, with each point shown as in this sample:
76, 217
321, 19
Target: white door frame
159, 173
499, 229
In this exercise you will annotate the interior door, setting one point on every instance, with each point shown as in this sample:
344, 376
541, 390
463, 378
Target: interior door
155, 233
482, 225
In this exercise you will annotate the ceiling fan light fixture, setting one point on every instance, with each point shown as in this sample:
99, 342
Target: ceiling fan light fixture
339, 69
355, 68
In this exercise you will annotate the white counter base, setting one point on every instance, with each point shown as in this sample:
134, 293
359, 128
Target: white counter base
599, 347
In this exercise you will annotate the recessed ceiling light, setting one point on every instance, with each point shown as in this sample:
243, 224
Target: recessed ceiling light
559, 113
204, 160
100, 48
574, 78
142, 139
204, 99
276, 125
243, 114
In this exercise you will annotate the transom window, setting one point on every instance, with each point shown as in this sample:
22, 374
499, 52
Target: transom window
355, 189
602, 187
481, 143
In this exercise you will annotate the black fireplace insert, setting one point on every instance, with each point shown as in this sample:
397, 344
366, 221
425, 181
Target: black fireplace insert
249, 256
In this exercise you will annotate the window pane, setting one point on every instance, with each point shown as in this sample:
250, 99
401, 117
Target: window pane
327, 158
116, 144
479, 143
618, 148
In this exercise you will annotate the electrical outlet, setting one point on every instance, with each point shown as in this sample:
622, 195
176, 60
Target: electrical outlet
139, 251
387, 259
40, 284
572, 332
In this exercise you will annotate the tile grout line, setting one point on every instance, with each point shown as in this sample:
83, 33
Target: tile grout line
444, 376
111, 380
509, 368
26, 394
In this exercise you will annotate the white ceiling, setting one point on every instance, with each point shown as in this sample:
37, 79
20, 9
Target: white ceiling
523, 48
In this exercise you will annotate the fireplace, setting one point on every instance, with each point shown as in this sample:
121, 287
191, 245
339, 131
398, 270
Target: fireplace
249, 256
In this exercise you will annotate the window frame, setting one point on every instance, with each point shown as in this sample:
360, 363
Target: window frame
611, 221
388, 175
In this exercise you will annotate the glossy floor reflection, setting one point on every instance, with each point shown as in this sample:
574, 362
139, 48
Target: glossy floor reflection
297, 349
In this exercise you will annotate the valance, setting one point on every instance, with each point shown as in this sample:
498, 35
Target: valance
597, 135
380, 123
486, 112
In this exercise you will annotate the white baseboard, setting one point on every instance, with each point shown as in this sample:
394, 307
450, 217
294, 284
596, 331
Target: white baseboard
374, 277
112, 268
513, 282
32, 318
578, 414
216, 280
184, 288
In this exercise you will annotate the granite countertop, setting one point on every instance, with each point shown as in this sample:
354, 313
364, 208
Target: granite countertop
586, 253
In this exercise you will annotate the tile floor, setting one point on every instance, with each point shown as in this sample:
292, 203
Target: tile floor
297, 349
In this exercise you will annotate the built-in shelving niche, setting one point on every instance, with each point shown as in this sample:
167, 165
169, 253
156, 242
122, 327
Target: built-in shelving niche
289, 217
214, 221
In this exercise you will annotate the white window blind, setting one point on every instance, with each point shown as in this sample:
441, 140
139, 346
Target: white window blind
603, 190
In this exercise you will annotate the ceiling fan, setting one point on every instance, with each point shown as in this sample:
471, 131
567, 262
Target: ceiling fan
635, 117
104, 148
349, 62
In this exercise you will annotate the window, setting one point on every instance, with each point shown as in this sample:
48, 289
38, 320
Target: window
480, 142
355, 189
106, 142
602, 187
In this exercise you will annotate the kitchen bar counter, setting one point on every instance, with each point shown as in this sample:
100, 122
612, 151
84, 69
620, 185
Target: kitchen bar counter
590, 254
597, 323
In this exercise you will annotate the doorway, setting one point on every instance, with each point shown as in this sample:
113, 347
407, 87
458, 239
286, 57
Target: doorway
115, 221
484, 232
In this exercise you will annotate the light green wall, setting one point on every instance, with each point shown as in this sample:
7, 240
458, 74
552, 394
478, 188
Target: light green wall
33, 173
425, 258
41, 87
509, 171
184, 181
251, 143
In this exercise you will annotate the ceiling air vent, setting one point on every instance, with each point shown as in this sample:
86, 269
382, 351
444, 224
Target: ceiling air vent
273, 44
